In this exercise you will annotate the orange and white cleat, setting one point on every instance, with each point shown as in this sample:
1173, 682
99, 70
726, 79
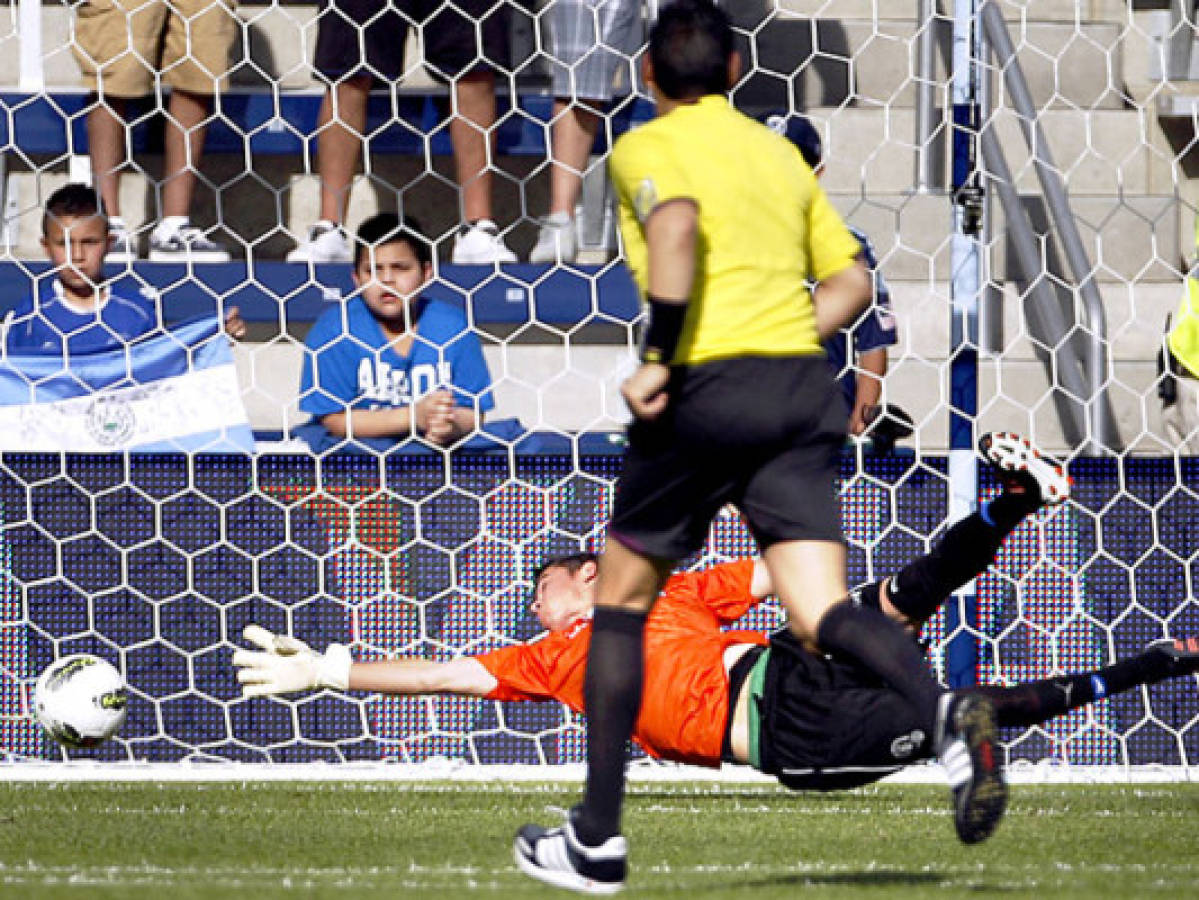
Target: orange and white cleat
1022, 469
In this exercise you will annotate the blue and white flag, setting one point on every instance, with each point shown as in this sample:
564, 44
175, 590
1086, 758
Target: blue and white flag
174, 392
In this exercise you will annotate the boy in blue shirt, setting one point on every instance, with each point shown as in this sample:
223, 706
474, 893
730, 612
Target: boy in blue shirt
78, 311
389, 363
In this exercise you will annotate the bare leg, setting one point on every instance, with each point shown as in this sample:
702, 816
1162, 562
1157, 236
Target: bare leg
340, 131
471, 133
809, 578
184, 146
573, 135
106, 146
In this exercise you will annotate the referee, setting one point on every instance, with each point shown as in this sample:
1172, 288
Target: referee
723, 225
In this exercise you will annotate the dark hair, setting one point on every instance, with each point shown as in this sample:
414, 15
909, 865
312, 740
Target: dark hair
71, 201
387, 228
689, 47
571, 563
800, 132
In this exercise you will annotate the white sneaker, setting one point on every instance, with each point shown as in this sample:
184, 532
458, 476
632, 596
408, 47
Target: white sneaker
556, 856
480, 244
120, 249
556, 241
184, 244
327, 243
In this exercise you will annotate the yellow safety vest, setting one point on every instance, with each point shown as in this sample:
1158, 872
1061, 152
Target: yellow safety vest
1184, 336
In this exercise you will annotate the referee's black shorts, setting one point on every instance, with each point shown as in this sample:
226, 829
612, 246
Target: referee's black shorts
826, 725
366, 37
764, 433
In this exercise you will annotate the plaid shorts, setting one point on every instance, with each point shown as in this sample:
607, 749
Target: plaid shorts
594, 47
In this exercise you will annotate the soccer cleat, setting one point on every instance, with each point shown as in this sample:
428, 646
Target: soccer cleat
970, 755
556, 856
120, 248
327, 243
185, 244
480, 243
1022, 469
1182, 654
556, 241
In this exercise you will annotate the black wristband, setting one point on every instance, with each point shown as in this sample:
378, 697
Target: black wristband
663, 330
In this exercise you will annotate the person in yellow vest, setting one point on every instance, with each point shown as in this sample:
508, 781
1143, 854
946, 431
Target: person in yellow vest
1180, 389
723, 227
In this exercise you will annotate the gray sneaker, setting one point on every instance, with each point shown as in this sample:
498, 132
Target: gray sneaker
556, 241
121, 251
185, 245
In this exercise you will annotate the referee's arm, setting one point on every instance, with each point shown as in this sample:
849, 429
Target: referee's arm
670, 238
840, 298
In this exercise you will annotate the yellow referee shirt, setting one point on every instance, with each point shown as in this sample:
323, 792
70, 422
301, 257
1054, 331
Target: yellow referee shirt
765, 227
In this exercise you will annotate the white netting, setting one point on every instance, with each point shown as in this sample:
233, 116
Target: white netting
156, 562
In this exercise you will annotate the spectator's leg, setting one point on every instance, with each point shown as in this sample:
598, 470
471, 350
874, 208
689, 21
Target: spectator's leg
106, 145
340, 132
573, 136
184, 145
471, 133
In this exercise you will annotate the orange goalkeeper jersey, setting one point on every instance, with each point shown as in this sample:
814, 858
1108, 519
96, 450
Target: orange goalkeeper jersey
685, 695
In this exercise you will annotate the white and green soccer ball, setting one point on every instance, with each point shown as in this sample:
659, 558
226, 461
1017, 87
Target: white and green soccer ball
80, 700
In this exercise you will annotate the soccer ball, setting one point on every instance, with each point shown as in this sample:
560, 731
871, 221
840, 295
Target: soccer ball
80, 700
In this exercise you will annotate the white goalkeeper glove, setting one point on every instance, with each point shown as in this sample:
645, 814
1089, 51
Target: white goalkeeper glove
287, 665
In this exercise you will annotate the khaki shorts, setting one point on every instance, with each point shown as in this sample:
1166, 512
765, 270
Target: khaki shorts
124, 45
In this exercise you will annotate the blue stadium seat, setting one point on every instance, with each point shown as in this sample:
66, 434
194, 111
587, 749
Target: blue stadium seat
285, 292
280, 122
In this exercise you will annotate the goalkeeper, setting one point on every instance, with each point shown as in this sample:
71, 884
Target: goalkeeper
813, 721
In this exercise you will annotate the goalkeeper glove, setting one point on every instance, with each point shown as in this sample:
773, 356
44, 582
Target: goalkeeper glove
287, 665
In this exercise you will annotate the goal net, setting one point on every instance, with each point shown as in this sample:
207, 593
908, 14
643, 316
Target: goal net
156, 561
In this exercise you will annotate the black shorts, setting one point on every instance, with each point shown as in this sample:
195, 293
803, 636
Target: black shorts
764, 433
827, 725
447, 30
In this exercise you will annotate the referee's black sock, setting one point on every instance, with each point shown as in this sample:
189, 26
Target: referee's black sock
966, 550
883, 647
1039, 701
612, 698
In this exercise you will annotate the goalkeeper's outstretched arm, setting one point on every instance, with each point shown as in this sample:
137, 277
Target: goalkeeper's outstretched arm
286, 665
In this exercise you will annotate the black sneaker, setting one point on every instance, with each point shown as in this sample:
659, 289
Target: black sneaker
969, 751
556, 856
1182, 654
1022, 469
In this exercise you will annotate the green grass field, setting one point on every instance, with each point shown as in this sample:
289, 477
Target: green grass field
688, 840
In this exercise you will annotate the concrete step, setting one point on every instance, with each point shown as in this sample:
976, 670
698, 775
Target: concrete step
1013, 10
1128, 240
1134, 238
551, 387
1067, 62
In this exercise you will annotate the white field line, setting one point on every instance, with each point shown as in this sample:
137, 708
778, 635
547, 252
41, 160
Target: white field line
415, 877
445, 770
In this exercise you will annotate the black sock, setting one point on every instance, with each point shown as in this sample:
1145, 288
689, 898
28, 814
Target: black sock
1040, 701
612, 699
883, 647
1006, 511
965, 551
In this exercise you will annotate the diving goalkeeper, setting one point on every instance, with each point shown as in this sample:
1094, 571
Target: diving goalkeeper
815, 722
